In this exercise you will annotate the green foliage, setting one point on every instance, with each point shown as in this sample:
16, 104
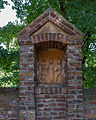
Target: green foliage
2, 3
9, 57
81, 13
9, 65
30, 9
89, 68
9, 32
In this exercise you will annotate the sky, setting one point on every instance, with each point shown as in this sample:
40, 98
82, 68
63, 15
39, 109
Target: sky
7, 14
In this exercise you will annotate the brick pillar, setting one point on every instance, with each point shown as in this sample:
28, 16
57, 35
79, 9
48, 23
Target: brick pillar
27, 104
74, 76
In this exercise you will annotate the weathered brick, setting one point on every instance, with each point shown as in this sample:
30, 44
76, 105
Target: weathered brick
66, 101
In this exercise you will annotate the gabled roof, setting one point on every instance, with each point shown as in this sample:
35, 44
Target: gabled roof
53, 16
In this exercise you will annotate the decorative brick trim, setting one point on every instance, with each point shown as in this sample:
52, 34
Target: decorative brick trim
45, 37
52, 37
54, 17
56, 37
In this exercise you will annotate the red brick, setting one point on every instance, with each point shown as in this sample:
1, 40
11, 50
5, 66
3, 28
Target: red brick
45, 15
40, 105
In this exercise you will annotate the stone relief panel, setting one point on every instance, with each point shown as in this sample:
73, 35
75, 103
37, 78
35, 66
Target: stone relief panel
50, 66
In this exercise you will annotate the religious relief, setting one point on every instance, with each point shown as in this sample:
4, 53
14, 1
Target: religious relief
50, 71
50, 66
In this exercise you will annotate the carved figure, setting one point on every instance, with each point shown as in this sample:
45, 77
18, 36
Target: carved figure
43, 68
58, 71
50, 77
50, 72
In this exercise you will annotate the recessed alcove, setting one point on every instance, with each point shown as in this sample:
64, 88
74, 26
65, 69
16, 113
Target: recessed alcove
50, 62
50, 66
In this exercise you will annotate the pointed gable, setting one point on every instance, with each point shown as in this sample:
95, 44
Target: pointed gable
57, 23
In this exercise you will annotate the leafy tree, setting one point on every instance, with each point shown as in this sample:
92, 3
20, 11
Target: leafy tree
9, 57
81, 13
2, 3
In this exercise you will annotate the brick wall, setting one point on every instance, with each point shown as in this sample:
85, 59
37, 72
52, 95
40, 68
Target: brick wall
9, 101
48, 102
90, 104
51, 103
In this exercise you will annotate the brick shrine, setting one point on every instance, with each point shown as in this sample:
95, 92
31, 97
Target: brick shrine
50, 69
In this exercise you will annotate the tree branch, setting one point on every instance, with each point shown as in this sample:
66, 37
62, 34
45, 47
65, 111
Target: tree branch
61, 7
88, 35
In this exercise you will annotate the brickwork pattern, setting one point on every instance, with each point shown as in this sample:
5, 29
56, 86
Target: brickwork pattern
74, 76
90, 104
26, 90
27, 72
9, 104
52, 16
70, 41
54, 97
44, 37
51, 103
